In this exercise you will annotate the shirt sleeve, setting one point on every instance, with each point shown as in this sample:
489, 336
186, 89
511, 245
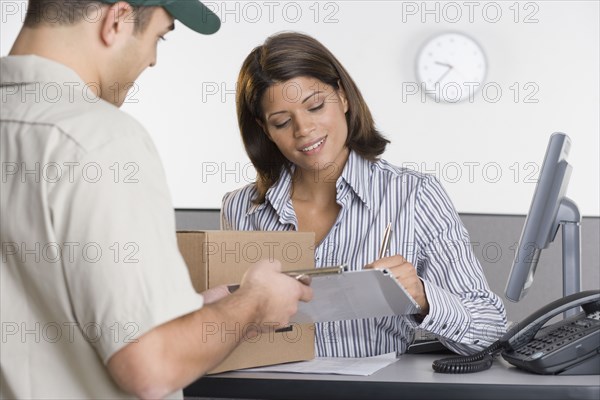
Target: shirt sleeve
463, 312
121, 261
227, 212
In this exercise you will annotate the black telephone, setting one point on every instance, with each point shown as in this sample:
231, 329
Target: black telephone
568, 347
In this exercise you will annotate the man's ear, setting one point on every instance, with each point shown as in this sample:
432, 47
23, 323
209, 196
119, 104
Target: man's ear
265, 130
342, 95
118, 19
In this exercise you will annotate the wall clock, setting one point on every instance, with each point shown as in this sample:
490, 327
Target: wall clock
451, 67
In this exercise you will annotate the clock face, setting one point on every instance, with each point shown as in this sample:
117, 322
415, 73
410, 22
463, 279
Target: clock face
451, 67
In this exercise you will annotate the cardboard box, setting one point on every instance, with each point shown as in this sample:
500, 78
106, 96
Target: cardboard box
221, 257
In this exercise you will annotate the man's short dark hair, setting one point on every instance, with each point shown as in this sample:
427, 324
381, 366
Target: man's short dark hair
69, 12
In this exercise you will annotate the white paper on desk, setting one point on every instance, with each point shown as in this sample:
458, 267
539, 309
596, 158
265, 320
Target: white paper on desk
333, 365
355, 294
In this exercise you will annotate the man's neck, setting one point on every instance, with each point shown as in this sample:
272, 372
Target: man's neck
59, 44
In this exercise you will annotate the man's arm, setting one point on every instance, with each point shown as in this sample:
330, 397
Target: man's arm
176, 353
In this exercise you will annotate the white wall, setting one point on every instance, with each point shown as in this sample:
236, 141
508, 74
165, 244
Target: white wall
188, 104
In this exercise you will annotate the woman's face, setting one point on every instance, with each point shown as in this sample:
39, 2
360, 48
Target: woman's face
306, 120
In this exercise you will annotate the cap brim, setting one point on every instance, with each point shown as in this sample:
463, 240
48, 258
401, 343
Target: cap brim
194, 15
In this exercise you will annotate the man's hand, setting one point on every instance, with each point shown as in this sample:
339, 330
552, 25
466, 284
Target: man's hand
276, 294
215, 294
174, 354
406, 274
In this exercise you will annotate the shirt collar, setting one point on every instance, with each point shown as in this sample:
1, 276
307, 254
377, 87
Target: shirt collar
31, 68
276, 194
357, 174
279, 197
282, 189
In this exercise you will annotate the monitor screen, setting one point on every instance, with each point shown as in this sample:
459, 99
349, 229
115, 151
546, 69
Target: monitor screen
541, 223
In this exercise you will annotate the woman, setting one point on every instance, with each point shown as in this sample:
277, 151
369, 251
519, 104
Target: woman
312, 140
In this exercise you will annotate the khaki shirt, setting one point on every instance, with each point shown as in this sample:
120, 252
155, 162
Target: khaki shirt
89, 254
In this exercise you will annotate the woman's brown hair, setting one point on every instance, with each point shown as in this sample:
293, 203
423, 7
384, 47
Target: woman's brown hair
282, 57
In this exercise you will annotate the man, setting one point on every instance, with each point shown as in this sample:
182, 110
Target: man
96, 299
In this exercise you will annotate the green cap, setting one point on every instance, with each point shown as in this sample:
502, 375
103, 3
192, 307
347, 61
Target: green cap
191, 13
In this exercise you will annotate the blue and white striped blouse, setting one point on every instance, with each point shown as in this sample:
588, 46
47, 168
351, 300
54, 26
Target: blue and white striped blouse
463, 313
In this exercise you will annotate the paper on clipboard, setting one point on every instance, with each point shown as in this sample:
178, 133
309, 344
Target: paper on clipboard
355, 294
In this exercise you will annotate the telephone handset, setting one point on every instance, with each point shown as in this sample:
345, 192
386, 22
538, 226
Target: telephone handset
568, 347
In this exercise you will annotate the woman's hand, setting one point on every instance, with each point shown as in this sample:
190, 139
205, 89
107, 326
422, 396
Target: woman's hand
406, 274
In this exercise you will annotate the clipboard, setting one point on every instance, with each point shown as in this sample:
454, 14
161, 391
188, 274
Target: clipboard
366, 293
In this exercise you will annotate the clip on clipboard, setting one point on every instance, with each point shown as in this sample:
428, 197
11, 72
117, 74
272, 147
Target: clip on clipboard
304, 275
366, 293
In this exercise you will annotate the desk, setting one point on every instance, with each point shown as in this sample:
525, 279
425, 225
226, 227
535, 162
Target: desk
409, 377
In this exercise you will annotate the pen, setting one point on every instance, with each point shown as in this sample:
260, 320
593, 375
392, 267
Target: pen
385, 243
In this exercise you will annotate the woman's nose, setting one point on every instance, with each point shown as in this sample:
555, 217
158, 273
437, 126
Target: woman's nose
303, 126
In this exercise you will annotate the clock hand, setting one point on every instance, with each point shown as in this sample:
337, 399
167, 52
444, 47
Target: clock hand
444, 64
450, 68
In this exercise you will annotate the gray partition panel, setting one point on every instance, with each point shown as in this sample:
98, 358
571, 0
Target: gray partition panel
494, 238
186, 219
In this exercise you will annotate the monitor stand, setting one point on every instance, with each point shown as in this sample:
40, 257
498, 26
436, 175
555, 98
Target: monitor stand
569, 218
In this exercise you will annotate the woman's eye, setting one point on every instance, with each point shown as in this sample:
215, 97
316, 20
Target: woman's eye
317, 107
283, 124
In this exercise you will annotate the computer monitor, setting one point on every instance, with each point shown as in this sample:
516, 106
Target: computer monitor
549, 209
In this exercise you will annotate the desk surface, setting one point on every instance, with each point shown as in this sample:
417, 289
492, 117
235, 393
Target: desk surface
409, 377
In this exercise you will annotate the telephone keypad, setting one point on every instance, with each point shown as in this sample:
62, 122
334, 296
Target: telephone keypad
558, 337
